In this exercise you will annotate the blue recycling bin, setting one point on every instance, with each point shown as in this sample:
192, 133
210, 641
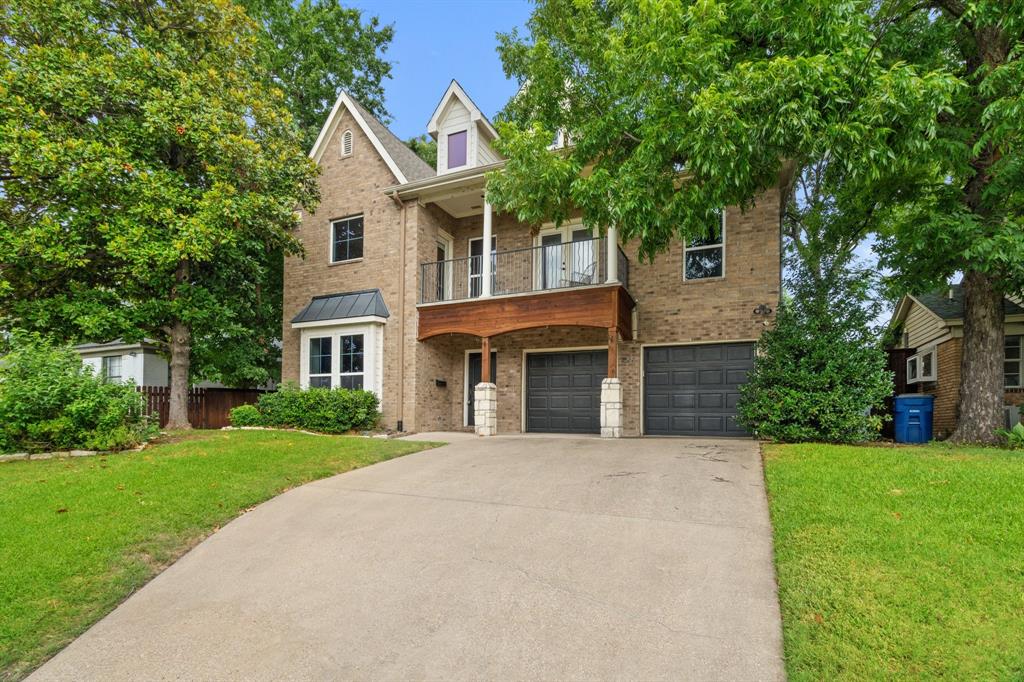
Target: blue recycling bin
913, 417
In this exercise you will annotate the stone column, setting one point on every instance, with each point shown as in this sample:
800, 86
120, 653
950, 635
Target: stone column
485, 408
611, 408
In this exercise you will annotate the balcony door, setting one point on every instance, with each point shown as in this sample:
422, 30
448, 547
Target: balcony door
443, 276
567, 256
476, 265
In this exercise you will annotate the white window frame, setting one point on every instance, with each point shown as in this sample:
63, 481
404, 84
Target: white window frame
372, 330
347, 144
916, 361
448, 149
1019, 360
105, 362
330, 239
707, 247
340, 373
309, 375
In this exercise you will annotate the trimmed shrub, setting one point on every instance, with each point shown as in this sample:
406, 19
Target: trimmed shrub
328, 410
49, 400
246, 415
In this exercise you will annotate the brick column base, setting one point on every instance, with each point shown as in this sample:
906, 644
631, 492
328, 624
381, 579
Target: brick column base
485, 409
611, 408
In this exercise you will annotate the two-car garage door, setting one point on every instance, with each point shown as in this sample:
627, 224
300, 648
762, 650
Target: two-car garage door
688, 390
693, 390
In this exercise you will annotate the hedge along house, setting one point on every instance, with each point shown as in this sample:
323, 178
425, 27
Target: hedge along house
930, 328
472, 319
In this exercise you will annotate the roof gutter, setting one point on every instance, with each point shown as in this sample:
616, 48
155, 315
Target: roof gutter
413, 189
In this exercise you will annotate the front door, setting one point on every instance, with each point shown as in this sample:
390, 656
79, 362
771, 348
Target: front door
473, 371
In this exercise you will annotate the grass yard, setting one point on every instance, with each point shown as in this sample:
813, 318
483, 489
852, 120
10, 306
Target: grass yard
77, 536
899, 562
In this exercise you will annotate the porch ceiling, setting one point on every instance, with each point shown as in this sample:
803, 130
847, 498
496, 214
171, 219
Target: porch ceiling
605, 306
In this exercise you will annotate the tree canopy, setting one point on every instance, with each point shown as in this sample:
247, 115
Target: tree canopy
314, 49
907, 115
148, 167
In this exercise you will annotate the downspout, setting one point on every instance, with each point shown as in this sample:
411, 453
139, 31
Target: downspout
400, 426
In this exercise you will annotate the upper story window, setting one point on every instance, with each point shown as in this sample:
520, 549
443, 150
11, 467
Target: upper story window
704, 257
1012, 359
112, 367
346, 143
347, 239
457, 149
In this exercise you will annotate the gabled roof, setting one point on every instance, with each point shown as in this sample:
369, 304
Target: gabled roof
455, 91
366, 303
946, 304
402, 161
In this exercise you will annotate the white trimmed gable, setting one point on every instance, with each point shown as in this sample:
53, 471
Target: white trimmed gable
456, 116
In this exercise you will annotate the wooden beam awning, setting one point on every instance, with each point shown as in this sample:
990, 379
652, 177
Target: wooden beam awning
606, 306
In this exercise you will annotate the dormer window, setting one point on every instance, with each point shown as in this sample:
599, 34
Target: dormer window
457, 149
346, 143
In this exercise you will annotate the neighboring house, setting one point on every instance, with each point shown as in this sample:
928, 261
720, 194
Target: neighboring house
122, 362
136, 362
396, 295
930, 328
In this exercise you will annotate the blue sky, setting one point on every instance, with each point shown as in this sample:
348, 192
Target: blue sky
426, 56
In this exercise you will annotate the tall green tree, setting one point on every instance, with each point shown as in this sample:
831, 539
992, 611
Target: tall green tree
674, 109
963, 211
314, 49
147, 167
425, 147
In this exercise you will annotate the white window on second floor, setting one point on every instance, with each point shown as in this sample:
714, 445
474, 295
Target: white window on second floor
346, 143
704, 257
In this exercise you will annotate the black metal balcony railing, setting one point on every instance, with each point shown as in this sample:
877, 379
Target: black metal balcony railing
520, 271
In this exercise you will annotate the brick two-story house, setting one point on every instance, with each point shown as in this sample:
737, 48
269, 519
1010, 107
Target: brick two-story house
395, 295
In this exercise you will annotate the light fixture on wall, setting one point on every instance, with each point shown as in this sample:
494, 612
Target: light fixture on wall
762, 309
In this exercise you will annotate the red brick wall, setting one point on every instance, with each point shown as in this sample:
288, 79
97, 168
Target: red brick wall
946, 388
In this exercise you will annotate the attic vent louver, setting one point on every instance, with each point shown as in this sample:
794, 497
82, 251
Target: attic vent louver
346, 143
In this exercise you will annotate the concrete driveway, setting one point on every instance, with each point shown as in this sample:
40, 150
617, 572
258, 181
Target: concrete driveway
509, 558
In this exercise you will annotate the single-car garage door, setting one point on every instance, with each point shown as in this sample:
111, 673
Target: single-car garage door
693, 390
563, 391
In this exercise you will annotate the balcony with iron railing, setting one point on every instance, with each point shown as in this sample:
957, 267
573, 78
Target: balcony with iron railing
522, 271
573, 283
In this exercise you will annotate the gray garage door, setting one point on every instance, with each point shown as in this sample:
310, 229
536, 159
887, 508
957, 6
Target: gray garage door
693, 390
563, 391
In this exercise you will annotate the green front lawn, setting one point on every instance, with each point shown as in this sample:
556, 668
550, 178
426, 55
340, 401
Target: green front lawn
79, 535
899, 562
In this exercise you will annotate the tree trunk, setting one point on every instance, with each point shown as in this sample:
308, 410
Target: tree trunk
980, 405
181, 348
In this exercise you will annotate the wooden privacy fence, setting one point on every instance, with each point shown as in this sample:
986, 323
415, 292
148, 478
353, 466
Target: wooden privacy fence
208, 408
